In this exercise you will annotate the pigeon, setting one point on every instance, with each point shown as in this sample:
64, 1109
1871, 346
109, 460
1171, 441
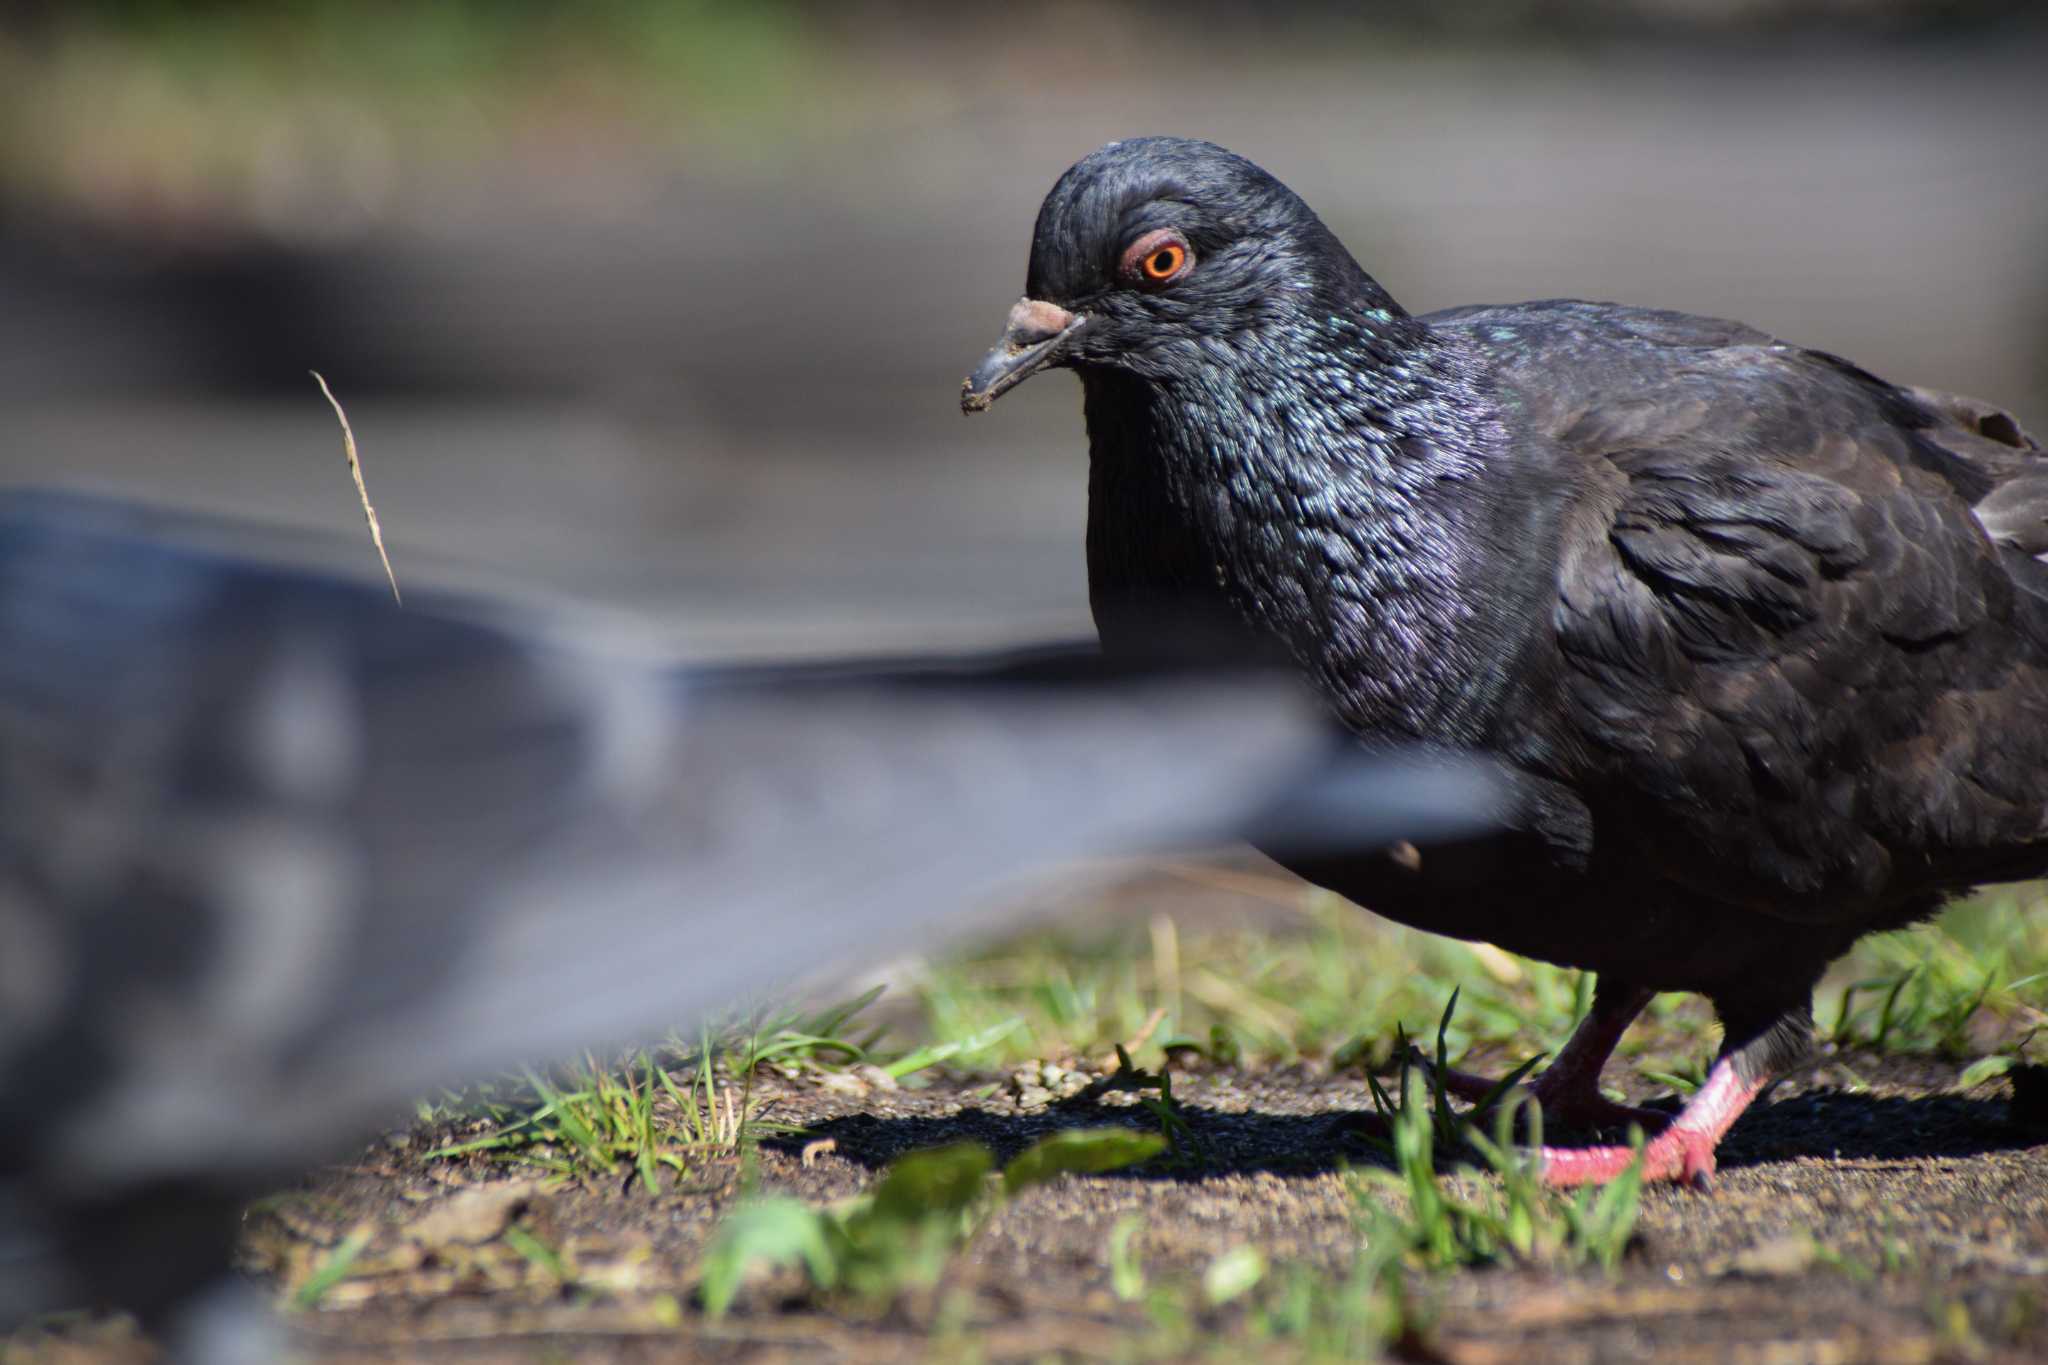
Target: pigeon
278, 858
1761, 637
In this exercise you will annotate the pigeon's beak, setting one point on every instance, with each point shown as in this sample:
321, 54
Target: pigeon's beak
1033, 338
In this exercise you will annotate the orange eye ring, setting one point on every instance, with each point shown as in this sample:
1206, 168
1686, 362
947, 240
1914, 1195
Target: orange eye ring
1165, 263
1157, 258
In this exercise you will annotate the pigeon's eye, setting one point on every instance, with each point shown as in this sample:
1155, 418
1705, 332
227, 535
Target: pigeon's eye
1158, 258
1166, 262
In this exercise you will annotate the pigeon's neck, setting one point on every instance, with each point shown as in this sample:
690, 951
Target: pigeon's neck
1328, 488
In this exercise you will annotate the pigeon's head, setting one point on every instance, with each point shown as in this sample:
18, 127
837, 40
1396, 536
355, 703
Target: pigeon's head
1153, 254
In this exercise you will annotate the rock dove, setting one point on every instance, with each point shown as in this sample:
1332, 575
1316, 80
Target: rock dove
1763, 637
277, 857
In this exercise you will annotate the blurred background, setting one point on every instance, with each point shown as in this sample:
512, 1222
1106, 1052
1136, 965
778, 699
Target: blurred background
665, 304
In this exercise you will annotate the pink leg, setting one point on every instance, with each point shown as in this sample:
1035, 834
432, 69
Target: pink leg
1683, 1151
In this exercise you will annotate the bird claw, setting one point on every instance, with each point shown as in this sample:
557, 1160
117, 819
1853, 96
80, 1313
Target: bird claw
1696, 1163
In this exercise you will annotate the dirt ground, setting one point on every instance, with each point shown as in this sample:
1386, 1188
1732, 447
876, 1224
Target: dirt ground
1898, 1222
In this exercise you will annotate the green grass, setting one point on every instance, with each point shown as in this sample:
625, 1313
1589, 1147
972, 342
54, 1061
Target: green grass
1417, 1222
899, 1236
1972, 983
1514, 1216
333, 1269
653, 1114
1454, 1198
1325, 984
595, 1120
1330, 984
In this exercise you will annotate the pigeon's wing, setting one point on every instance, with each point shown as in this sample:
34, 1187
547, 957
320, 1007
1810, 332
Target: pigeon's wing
276, 855
1788, 641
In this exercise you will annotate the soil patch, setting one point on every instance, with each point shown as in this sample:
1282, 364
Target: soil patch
1899, 1221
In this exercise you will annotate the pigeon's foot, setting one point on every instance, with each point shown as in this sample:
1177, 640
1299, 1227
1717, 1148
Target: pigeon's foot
1569, 1088
1589, 1111
1570, 1098
1683, 1151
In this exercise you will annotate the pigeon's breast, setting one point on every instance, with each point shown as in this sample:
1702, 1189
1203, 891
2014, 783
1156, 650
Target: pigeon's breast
1283, 535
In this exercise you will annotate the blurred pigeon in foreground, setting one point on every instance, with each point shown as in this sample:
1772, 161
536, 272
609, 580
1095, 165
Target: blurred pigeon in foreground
276, 856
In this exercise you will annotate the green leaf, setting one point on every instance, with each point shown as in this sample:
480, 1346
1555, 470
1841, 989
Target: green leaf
935, 1053
1083, 1150
1232, 1273
1126, 1275
333, 1270
1612, 1217
539, 1253
768, 1232
941, 1180
1982, 1070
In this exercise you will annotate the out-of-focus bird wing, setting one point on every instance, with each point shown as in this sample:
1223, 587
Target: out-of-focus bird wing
275, 854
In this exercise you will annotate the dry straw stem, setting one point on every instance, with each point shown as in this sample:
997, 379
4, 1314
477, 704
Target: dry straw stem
355, 468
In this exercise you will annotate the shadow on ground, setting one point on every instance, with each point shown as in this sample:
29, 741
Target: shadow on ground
1820, 1123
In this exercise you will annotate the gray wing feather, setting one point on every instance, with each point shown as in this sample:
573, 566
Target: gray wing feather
284, 856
